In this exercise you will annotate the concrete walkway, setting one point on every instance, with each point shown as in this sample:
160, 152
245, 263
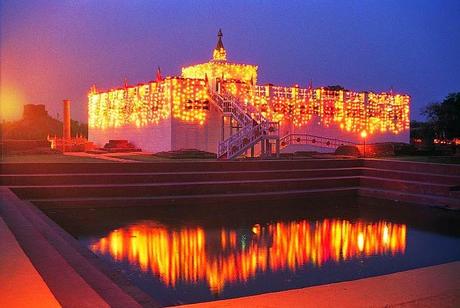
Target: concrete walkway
434, 286
20, 283
101, 156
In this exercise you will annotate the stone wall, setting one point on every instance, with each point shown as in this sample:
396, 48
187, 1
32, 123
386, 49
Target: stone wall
152, 138
195, 136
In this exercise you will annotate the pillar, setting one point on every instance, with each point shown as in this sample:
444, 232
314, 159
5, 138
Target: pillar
66, 120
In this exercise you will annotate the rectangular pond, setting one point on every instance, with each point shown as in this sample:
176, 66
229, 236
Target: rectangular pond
201, 253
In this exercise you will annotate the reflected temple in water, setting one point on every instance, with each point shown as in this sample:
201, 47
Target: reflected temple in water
220, 258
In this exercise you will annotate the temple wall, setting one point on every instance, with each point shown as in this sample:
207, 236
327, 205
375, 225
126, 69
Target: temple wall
152, 138
195, 136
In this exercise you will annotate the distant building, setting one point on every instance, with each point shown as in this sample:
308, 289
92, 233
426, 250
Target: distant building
32, 111
218, 107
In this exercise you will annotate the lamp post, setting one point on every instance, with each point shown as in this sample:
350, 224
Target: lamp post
364, 135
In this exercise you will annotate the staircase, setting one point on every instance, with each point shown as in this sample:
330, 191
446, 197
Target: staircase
188, 183
254, 126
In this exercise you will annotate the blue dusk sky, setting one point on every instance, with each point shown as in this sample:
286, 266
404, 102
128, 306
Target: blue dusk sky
51, 50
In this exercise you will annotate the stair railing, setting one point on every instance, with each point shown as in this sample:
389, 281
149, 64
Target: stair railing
255, 126
239, 142
319, 141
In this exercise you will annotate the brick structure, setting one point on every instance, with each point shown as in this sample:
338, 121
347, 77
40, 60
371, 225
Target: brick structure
33, 112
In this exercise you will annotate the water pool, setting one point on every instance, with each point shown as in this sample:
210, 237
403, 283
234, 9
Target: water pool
204, 252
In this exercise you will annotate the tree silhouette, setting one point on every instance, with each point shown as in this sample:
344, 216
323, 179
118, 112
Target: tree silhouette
445, 117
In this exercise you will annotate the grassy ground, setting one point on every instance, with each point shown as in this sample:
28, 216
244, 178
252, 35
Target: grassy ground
172, 155
143, 158
429, 159
154, 158
48, 158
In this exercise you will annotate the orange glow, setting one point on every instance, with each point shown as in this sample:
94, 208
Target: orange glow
363, 134
185, 254
11, 102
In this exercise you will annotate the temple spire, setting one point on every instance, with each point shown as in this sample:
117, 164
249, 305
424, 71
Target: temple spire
219, 53
219, 40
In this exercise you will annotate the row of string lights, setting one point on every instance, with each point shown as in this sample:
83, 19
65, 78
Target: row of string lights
187, 99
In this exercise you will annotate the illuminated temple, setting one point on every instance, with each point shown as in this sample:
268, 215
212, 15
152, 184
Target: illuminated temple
219, 107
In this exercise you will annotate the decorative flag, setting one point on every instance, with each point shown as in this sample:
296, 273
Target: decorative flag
159, 78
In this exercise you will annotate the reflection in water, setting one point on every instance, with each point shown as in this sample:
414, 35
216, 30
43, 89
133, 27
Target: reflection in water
219, 258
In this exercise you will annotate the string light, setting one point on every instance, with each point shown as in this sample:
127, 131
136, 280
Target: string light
225, 70
145, 104
351, 111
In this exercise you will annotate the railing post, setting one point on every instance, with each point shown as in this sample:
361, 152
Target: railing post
262, 148
277, 147
231, 125
223, 128
268, 146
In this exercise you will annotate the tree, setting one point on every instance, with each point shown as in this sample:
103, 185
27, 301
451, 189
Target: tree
39, 128
423, 131
445, 116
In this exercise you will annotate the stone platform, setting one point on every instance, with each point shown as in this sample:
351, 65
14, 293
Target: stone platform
434, 286
21, 284
76, 278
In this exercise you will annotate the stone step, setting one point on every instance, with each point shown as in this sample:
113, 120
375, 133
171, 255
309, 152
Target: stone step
429, 200
173, 166
182, 188
168, 177
69, 288
406, 186
234, 199
411, 176
109, 284
158, 177
440, 169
